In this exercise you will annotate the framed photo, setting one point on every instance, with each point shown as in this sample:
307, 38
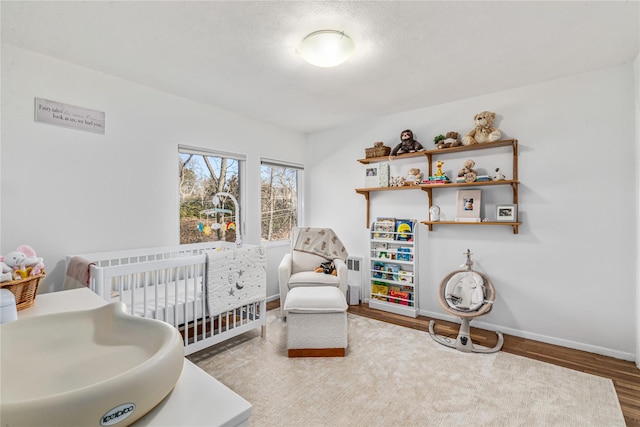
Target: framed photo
508, 213
468, 206
376, 175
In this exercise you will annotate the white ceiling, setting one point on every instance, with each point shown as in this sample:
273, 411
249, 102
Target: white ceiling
240, 55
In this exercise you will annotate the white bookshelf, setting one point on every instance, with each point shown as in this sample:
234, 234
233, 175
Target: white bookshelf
393, 256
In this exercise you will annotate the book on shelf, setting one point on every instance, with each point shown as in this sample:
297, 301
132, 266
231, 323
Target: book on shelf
398, 296
404, 230
403, 253
378, 270
384, 228
391, 271
379, 291
405, 276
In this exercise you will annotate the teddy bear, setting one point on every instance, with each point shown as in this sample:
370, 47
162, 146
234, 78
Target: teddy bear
484, 130
407, 144
450, 140
21, 262
414, 176
468, 172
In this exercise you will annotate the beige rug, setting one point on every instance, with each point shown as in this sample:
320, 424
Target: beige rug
395, 376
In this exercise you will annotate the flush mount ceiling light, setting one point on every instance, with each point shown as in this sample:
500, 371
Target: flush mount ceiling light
326, 48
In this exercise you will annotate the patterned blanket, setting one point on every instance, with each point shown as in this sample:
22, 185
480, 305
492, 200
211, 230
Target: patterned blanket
235, 277
320, 241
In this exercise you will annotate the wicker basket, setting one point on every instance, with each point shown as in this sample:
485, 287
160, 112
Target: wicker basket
378, 150
24, 290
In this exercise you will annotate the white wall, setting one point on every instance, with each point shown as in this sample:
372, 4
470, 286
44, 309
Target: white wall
636, 68
569, 276
67, 191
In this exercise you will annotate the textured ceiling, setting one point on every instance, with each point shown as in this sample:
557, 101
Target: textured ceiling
240, 55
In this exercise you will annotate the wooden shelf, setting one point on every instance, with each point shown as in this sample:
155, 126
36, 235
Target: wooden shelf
386, 158
515, 225
366, 193
428, 188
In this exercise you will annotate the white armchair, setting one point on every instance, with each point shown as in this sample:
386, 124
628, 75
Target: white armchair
297, 269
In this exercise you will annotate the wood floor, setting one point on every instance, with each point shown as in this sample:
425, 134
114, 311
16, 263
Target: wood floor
625, 375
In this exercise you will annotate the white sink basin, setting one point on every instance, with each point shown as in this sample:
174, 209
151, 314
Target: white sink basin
95, 367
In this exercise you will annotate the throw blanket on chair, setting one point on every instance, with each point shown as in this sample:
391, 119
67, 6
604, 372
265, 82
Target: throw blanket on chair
320, 241
235, 277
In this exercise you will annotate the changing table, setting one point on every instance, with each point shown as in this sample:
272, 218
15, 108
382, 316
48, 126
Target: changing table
197, 399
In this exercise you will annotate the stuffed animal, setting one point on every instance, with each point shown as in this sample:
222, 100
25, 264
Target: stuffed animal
407, 144
499, 176
414, 176
468, 172
22, 262
484, 130
450, 140
439, 164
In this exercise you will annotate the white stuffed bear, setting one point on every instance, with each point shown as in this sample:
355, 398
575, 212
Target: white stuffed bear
21, 259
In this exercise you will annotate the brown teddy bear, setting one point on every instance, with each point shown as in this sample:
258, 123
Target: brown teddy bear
414, 176
468, 172
484, 130
450, 140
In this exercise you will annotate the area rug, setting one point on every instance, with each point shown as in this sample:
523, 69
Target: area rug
396, 376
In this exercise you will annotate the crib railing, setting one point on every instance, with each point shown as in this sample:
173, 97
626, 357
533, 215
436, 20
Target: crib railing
169, 284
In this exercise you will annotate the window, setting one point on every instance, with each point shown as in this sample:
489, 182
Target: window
280, 199
202, 175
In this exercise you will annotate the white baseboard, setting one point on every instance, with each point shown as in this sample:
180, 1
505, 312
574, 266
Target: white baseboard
537, 337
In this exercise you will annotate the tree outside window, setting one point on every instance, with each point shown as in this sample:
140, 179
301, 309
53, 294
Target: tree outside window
201, 176
279, 197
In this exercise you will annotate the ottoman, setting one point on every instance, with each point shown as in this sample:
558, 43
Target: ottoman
316, 322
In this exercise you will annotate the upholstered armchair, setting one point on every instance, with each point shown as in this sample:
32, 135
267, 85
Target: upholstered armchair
297, 268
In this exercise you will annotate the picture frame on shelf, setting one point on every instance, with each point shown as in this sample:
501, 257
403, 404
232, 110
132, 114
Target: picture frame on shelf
507, 213
468, 205
372, 176
376, 175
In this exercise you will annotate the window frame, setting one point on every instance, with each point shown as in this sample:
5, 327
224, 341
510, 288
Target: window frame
299, 192
242, 184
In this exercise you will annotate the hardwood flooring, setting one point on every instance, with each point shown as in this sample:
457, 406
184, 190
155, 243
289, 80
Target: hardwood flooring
624, 374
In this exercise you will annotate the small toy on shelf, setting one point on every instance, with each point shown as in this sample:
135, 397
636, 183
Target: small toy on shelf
407, 144
483, 130
499, 176
448, 141
439, 164
414, 176
467, 173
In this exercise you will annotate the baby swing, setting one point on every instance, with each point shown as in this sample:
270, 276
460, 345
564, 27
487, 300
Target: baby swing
466, 294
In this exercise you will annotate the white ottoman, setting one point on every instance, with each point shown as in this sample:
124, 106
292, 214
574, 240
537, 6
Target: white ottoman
316, 322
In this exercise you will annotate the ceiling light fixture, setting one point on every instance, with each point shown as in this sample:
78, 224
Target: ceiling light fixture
326, 48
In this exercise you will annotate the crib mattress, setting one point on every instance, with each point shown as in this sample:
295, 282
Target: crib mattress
164, 303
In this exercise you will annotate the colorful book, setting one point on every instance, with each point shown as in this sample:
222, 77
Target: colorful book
404, 230
403, 254
391, 271
379, 291
384, 228
399, 297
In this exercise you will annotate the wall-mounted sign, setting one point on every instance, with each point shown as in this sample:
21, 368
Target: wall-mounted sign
69, 116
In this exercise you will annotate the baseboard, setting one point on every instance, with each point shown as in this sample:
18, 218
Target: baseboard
537, 337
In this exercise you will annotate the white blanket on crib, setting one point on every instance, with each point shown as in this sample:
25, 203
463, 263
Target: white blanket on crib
235, 277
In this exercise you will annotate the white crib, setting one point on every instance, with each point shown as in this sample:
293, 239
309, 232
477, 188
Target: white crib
182, 285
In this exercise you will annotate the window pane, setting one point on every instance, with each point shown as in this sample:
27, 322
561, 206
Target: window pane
279, 196
201, 177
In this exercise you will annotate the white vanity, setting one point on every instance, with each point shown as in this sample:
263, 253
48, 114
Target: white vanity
197, 399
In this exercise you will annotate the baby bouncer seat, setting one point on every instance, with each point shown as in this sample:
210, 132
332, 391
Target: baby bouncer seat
466, 294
